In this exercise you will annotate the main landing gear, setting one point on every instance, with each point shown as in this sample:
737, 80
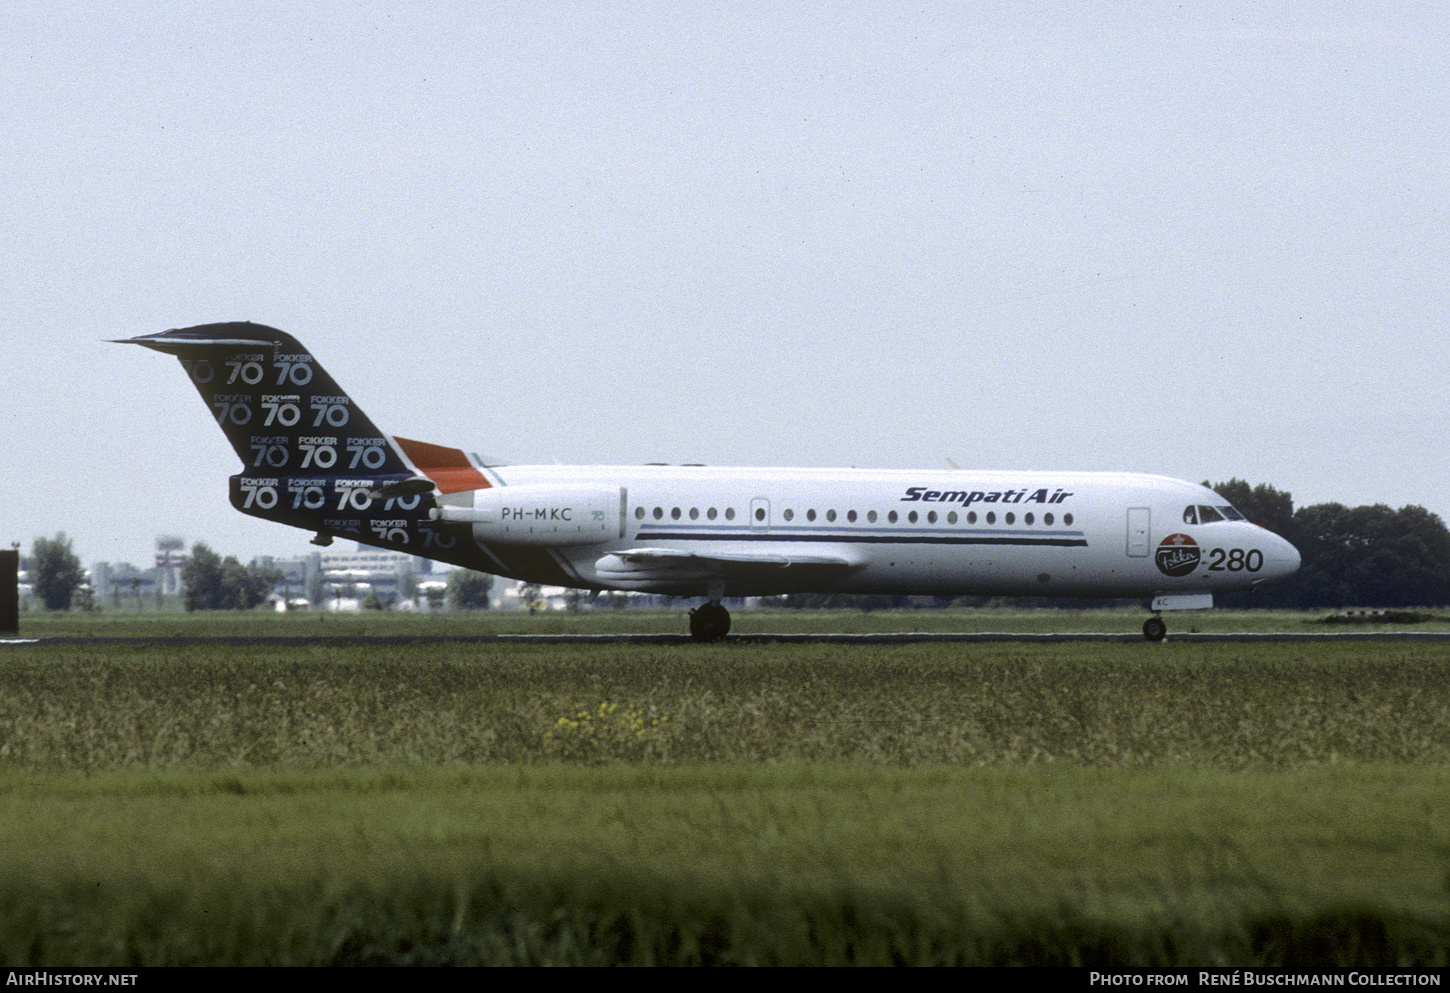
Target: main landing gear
1154, 629
709, 622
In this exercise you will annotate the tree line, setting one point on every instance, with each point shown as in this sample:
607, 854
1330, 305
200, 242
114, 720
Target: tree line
1368, 556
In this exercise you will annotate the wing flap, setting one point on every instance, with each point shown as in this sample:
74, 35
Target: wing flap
663, 557
737, 573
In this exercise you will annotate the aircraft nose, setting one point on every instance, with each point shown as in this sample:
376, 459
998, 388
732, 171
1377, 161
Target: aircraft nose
1282, 558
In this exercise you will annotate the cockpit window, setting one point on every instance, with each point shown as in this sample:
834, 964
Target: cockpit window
1203, 514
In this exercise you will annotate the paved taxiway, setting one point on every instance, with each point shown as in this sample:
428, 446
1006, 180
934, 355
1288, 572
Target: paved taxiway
880, 638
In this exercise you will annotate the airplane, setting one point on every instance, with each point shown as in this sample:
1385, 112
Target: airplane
313, 460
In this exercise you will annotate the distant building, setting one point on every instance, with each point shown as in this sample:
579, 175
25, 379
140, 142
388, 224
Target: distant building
343, 579
124, 581
170, 557
329, 574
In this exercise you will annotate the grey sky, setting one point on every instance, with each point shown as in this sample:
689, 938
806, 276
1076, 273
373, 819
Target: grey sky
1205, 240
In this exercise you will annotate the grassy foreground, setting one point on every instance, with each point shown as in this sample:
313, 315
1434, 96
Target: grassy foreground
830, 864
427, 803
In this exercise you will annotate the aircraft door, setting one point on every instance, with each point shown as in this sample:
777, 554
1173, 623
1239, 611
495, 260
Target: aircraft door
760, 515
1138, 522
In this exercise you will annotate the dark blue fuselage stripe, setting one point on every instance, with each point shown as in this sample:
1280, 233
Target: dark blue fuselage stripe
1061, 542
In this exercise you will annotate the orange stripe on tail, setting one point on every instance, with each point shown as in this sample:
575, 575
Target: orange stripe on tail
449, 468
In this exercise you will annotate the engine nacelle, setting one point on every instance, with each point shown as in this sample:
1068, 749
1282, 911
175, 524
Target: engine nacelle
543, 515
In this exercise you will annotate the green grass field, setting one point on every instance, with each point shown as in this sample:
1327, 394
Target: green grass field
1101, 804
732, 863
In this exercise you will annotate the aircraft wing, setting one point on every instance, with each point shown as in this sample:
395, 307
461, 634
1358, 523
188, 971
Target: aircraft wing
658, 569
659, 556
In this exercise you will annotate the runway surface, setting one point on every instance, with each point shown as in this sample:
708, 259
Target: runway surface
880, 638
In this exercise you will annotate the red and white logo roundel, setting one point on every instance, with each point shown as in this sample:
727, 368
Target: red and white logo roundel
1178, 555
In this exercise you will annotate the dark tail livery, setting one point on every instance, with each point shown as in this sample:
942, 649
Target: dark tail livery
311, 458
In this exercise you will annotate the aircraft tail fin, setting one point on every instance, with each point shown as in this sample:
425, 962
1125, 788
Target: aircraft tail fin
312, 459
279, 408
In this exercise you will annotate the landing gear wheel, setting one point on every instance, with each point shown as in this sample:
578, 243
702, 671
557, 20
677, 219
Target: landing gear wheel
1154, 629
709, 622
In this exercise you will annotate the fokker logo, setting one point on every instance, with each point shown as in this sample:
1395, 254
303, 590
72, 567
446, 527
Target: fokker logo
1178, 555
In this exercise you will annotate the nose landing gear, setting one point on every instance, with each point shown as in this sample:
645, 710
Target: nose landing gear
1154, 629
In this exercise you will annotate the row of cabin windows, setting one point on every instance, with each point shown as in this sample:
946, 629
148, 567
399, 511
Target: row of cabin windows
892, 517
710, 515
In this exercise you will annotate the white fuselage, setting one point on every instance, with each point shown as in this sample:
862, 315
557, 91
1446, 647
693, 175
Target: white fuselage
691, 530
